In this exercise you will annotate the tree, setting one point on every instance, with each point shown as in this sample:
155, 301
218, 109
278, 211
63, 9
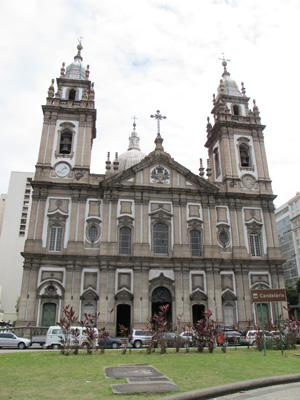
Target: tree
292, 294
298, 285
205, 330
158, 325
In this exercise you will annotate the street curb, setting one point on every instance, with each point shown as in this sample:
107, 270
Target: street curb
215, 391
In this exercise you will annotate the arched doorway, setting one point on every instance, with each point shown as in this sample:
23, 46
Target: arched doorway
198, 313
123, 318
161, 296
49, 314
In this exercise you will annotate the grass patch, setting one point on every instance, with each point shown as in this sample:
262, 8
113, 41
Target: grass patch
50, 375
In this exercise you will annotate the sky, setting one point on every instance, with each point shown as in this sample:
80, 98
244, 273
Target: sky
148, 55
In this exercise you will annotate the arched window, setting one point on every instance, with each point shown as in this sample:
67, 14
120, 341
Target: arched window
160, 239
55, 238
255, 246
195, 243
223, 238
265, 312
72, 94
217, 162
125, 241
245, 155
65, 145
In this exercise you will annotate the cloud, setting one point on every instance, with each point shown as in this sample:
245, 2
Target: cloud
149, 55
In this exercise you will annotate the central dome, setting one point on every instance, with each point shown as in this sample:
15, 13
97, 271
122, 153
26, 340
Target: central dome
134, 154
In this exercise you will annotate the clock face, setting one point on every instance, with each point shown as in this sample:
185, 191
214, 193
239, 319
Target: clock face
62, 170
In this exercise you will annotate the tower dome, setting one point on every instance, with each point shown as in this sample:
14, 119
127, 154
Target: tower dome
134, 154
76, 70
230, 86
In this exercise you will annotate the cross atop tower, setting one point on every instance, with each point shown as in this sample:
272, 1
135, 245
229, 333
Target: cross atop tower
224, 63
134, 124
158, 117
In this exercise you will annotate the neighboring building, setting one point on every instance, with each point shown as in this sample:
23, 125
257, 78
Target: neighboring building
2, 208
12, 240
288, 226
149, 232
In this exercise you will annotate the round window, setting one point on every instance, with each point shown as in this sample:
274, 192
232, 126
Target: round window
93, 233
223, 238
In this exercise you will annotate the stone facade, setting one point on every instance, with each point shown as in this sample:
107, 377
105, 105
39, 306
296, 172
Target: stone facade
154, 233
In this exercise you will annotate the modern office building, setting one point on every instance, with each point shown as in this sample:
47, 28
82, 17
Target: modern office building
13, 234
288, 226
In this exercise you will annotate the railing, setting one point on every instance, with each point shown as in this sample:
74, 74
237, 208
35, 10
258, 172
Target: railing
26, 331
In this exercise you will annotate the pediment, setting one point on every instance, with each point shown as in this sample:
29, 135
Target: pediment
124, 295
159, 171
198, 295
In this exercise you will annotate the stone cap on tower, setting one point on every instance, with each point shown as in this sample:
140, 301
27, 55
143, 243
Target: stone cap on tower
227, 85
76, 70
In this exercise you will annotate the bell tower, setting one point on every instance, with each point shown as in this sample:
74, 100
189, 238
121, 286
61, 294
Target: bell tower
235, 142
68, 126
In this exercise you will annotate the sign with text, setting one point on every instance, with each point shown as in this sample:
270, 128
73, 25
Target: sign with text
268, 295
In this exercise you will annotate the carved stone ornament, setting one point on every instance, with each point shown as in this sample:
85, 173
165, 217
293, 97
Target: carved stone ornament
248, 181
161, 295
51, 290
160, 174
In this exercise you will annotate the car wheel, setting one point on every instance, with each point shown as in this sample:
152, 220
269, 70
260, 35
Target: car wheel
114, 345
138, 344
21, 346
55, 346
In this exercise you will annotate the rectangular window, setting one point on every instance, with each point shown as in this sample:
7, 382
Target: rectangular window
255, 245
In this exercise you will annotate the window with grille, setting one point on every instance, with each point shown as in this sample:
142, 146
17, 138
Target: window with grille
255, 248
160, 239
93, 233
125, 241
55, 238
195, 243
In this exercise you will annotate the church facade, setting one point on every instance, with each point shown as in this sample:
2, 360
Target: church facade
148, 231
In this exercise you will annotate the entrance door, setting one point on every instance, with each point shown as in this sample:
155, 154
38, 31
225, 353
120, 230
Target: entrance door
123, 318
49, 314
161, 296
198, 310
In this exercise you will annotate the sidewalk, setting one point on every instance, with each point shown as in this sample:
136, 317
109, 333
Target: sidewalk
216, 391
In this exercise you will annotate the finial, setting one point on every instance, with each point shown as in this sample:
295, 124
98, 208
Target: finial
201, 169
224, 63
116, 163
108, 163
208, 126
243, 89
214, 99
134, 124
87, 72
79, 48
51, 89
158, 117
62, 70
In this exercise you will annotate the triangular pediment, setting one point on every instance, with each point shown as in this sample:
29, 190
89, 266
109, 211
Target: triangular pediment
159, 171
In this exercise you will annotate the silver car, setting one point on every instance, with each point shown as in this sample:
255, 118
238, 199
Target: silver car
8, 339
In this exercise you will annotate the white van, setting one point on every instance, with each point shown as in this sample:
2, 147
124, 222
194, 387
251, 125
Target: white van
54, 334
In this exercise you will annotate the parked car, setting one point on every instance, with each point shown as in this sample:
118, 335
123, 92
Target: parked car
140, 337
249, 339
187, 338
169, 337
232, 337
54, 337
8, 339
111, 343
